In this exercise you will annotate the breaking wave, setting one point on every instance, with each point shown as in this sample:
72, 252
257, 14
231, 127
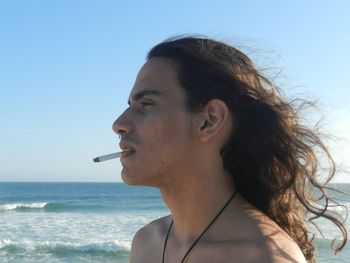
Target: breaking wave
61, 247
22, 206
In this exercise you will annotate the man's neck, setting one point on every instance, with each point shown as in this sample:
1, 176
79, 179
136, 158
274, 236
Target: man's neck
194, 204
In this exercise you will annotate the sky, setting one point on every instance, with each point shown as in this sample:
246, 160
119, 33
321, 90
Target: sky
67, 67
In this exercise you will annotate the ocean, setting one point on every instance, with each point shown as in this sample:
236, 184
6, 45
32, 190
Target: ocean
91, 222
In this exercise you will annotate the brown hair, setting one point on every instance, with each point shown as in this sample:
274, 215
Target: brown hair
270, 154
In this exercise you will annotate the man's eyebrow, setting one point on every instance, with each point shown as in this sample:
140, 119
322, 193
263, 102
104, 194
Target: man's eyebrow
139, 95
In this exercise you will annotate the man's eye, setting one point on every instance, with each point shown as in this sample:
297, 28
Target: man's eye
145, 104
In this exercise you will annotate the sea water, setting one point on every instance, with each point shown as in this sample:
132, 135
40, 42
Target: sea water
90, 222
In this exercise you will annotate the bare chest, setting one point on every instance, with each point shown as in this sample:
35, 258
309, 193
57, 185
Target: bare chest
233, 252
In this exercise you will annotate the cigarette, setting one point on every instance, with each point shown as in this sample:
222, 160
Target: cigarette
107, 157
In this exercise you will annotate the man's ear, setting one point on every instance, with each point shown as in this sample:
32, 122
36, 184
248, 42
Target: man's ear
215, 120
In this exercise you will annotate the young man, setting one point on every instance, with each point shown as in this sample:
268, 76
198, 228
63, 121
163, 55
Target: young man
227, 153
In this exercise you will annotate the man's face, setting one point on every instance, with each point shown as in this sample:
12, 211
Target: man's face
157, 127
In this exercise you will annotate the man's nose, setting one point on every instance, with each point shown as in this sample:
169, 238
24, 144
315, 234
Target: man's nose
121, 125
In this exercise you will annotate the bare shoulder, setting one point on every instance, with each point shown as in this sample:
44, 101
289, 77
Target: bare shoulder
284, 250
148, 240
255, 237
281, 247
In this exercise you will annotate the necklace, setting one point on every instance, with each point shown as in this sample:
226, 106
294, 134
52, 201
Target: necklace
203, 232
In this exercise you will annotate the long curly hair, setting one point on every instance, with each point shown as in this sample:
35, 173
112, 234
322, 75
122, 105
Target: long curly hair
271, 155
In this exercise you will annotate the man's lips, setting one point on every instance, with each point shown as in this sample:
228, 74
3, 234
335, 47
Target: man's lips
126, 149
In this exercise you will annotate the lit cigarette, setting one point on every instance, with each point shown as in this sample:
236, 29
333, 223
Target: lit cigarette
107, 157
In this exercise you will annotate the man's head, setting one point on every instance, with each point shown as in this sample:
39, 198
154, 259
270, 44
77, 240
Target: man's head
207, 75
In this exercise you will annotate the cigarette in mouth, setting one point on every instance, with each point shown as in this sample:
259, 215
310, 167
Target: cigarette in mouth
107, 157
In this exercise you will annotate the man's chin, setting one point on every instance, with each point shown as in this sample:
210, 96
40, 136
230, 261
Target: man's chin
136, 181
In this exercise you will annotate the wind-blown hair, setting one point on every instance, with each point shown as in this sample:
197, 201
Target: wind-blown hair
270, 154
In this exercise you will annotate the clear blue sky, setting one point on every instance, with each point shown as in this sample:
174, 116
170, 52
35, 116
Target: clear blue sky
66, 69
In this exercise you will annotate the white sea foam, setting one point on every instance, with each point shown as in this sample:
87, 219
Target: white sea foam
339, 209
97, 246
14, 206
5, 243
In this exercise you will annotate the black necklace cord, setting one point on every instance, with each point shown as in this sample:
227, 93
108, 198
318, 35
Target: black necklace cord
203, 232
166, 239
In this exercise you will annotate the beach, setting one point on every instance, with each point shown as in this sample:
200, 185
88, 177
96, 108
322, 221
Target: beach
90, 222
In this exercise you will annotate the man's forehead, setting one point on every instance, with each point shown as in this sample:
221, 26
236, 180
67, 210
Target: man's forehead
155, 77
157, 70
